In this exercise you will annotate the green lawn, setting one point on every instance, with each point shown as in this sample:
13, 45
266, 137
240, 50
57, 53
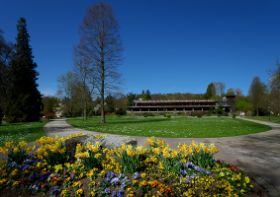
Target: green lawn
177, 126
275, 119
21, 131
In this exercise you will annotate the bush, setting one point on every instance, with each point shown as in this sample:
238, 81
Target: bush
50, 115
198, 114
120, 112
167, 116
148, 114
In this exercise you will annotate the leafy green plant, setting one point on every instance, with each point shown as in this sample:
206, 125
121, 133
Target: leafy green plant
202, 159
92, 161
128, 163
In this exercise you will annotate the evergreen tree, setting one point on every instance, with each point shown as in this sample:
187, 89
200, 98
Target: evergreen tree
6, 50
130, 98
24, 99
210, 92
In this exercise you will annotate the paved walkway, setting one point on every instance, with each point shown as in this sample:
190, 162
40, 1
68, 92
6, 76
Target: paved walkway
257, 154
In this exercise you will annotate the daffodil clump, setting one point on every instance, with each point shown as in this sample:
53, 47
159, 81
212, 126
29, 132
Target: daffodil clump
94, 170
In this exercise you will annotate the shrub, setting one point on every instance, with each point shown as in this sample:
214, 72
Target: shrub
148, 114
168, 116
120, 112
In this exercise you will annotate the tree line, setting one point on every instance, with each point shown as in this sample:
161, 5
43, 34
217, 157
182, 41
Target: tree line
20, 99
262, 99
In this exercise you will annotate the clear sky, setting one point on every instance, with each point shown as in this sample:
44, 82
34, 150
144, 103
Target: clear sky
170, 46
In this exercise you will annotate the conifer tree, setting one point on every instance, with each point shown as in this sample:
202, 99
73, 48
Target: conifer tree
5, 57
24, 99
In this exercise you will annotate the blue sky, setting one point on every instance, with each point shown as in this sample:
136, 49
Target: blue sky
170, 46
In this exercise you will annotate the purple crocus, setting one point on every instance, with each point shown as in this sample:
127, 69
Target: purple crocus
25, 167
107, 191
55, 191
189, 165
110, 174
114, 193
135, 175
120, 193
202, 170
183, 172
123, 185
115, 181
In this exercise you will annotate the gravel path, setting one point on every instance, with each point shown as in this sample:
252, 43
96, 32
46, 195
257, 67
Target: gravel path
257, 154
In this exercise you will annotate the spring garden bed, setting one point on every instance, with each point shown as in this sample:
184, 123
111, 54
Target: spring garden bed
50, 167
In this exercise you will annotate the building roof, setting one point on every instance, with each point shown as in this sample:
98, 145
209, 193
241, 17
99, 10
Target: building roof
175, 101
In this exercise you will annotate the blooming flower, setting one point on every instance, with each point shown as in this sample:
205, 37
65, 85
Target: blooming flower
107, 190
115, 181
135, 175
79, 192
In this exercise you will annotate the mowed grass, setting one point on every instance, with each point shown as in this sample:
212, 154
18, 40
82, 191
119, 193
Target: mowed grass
28, 131
275, 119
176, 126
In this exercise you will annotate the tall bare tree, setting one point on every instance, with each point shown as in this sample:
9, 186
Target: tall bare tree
85, 73
101, 46
275, 90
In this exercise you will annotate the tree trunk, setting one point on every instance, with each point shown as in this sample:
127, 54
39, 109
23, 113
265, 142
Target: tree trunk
103, 120
1, 116
85, 101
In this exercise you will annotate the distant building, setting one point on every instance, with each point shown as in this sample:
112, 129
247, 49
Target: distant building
187, 106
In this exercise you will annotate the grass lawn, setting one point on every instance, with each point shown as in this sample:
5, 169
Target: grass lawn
28, 131
275, 119
177, 126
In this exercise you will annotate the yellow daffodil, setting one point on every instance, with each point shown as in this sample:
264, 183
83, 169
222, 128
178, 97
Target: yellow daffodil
79, 192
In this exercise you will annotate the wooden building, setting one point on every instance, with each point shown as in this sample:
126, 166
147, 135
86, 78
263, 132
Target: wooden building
160, 106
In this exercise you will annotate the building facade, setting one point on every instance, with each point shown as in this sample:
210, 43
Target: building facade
186, 106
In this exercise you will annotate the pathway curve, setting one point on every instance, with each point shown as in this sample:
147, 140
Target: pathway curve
257, 154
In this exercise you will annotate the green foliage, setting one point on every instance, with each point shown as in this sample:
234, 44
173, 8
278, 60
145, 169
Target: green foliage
243, 104
257, 95
129, 164
16, 157
148, 114
274, 97
23, 98
50, 104
230, 92
70, 91
167, 116
109, 104
120, 112
198, 114
146, 95
91, 161
172, 165
210, 92
6, 51
202, 159
130, 98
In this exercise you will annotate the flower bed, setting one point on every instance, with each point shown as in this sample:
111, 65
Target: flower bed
94, 170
